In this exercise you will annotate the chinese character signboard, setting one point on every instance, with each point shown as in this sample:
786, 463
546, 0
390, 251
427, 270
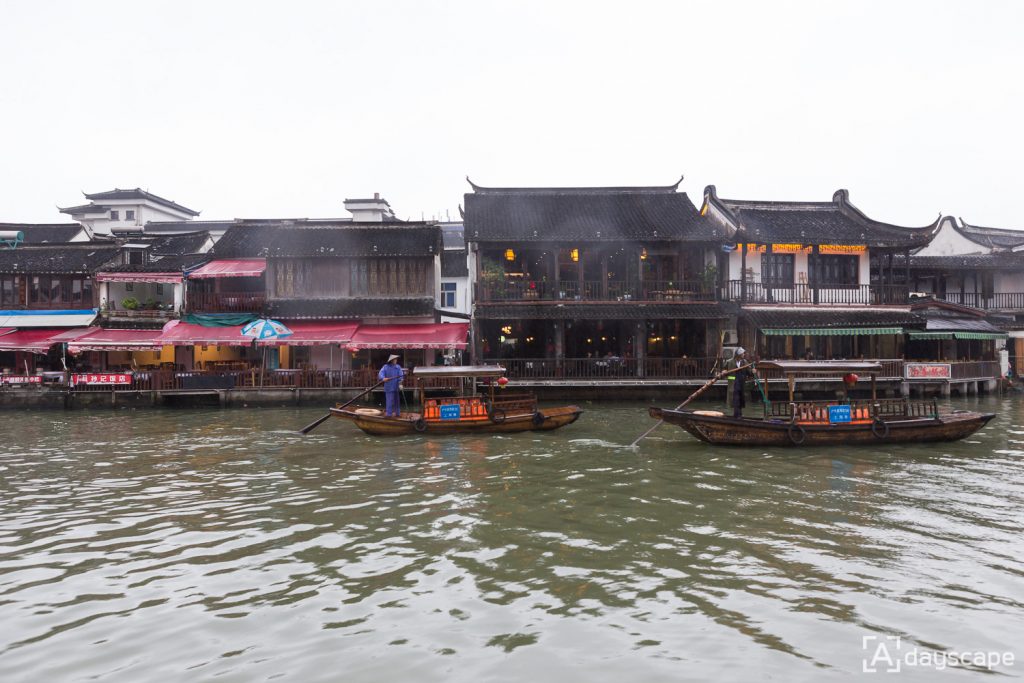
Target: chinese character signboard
928, 371
838, 414
21, 379
451, 412
99, 378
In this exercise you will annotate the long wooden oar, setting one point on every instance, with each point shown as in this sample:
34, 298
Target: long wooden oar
310, 427
692, 396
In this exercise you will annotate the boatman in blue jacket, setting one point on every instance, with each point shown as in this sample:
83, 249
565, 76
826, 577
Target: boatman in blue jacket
392, 372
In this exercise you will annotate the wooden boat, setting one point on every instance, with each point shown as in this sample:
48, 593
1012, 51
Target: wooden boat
827, 423
500, 410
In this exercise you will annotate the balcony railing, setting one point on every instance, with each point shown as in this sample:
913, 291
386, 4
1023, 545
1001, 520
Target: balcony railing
139, 314
648, 368
596, 290
802, 293
1001, 301
226, 302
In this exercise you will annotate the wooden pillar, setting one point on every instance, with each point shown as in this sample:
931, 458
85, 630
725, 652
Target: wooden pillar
604, 277
906, 275
768, 292
640, 347
813, 271
559, 346
555, 275
743, 272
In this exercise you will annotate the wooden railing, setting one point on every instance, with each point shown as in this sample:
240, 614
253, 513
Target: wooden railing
999, 301
225, 302
980, 369
824, 293
596, 290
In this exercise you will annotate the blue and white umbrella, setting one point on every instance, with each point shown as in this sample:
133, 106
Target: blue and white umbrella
265, 329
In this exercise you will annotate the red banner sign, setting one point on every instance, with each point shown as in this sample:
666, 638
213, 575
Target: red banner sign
21, 379
928, 370
120, 378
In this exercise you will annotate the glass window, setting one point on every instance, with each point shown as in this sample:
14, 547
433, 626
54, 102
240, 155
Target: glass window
87, 292
114, 216
129, 215
777, 270
76, 291
448, 292
7, 291
830, 270
55, 290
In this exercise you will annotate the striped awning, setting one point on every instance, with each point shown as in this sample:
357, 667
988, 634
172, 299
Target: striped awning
957, 335
830, 331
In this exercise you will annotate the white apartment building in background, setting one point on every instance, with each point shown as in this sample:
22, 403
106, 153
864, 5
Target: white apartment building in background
126, 211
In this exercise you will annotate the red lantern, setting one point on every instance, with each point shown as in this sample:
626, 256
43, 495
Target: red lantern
850, 379
502, 381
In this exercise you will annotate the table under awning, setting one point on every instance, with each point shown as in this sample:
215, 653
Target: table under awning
830, 331
251, 267
98, 339
159, 278
314, 333
37, 340
423, 336
44, 318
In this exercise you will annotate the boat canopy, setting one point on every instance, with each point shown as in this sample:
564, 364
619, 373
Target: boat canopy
460, 371
820, 366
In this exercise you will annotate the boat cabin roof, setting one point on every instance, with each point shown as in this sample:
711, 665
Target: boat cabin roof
460, 371
823, 366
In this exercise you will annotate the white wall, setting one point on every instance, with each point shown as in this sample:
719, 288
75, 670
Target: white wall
949, 242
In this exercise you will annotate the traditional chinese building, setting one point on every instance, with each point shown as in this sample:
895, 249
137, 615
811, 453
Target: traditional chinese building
604, 281
817, 278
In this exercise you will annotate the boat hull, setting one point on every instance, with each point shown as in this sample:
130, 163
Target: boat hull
411, 423
729, 431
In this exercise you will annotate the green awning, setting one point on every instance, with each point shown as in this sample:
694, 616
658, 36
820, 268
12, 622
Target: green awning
957, 335
830, 331
930, 335
979, 335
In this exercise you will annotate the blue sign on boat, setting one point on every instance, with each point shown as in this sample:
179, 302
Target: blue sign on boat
451, 411
838, 414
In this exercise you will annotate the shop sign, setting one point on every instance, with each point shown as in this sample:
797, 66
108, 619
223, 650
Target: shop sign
117, 378
928, 370
21, 379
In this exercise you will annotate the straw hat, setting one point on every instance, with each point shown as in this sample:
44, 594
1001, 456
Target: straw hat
392, 357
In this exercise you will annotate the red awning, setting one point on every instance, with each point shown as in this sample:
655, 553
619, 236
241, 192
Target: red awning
314, 333
37, 339
425, 336
162, 278
98, 339
187, 334
247, 267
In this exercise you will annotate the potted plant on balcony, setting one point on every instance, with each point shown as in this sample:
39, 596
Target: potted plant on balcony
709, 278
129, 303
492, 277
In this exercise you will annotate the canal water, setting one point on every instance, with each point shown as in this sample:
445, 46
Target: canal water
184, 545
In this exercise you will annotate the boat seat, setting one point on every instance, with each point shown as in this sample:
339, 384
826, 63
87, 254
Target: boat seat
367, 411
709, 413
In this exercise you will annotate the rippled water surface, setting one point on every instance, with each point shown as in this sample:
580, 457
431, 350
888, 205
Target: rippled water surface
200, 545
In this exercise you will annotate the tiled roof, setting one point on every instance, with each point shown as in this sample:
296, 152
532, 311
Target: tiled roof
997, 260
601, 311
38, 233
996, 238
181, 243
165, 264
341, 239
605, 214
788, 317
835, 222
71, 258
350, 308
85, 208
137, 193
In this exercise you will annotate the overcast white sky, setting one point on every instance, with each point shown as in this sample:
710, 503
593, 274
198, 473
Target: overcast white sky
259, 109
